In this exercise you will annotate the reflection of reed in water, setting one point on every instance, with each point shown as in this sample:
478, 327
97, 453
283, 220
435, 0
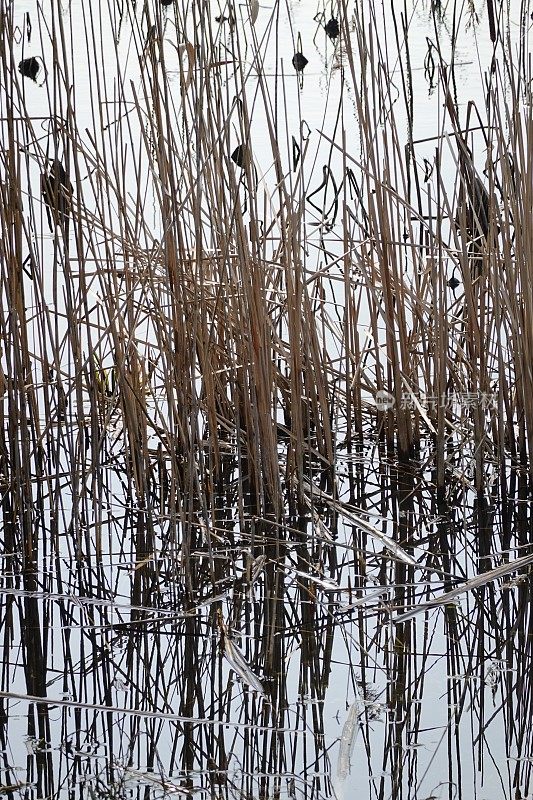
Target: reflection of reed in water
315, 682
35, 667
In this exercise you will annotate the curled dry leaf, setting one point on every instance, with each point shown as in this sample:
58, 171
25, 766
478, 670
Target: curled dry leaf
186, 75
347, 742
254, 10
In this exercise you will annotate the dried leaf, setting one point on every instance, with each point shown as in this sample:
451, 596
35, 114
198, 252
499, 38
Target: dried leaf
467, 586
238, 663
254, 10
348, 735
186, 78
346, 512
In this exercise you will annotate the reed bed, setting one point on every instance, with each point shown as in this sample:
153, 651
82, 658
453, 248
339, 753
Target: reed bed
266, 403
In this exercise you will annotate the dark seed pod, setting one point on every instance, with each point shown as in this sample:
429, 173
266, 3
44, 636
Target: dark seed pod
239, 155
299, 61
29, 67
332, 28
166, 2
453, 283
57, 194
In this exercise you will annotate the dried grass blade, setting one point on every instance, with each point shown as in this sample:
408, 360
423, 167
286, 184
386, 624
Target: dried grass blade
467, 586
349, 732
238, 663
254, 10
325, 583
348, 514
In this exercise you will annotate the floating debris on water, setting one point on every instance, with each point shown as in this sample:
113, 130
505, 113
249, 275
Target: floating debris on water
347, 743
236, 659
